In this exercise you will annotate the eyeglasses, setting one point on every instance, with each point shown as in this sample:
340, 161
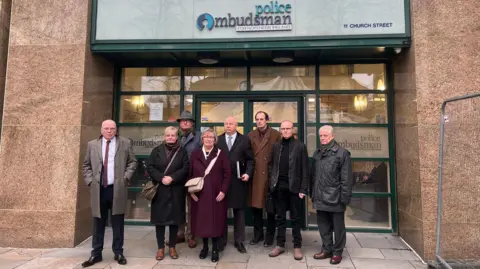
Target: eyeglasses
209, 137
285, 129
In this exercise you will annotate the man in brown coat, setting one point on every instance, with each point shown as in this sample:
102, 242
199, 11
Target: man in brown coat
262, 140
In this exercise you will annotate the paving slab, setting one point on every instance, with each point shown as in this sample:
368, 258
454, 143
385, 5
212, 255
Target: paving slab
346, 262
360, 263
369, 253
399, 254
419, 265
134, 263
51, 262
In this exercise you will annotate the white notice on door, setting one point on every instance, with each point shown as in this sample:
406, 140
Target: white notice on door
156, 111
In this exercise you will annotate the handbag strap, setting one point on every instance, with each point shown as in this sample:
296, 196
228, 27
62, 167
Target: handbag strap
211, 164
171, 160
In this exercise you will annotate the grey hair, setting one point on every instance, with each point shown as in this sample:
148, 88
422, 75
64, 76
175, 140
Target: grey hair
210, 130
328, 128
170, 129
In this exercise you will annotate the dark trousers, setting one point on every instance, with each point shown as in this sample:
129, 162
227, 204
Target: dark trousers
214, 243
329, 223
238, 227
172, 235
287, 201
106, 202
258, 225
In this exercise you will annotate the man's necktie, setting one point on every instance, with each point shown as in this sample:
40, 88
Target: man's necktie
229, 144
105, 166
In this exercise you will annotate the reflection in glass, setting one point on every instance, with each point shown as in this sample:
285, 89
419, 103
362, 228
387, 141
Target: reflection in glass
353, 108
311, 108
149, 108
364, 212
144, 139
219, 111
283, 78
311, 140
352, 77
277, 111
371, 176
150, 79
188, 103
139, 178
138, 208
215, 79
363, 142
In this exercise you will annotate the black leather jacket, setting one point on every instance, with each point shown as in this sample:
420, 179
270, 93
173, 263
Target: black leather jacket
331, 179
298, 166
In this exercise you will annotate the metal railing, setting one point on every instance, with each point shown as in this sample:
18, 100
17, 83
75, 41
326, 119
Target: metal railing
458, 182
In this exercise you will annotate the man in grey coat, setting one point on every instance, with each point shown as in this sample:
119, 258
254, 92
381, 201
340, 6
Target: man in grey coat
191, 140
331, 183
108, 167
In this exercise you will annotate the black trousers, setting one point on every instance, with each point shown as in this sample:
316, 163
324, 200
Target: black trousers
214, 243
287, 201
106, 202
329, 223
238, 227
258, 225
172, 235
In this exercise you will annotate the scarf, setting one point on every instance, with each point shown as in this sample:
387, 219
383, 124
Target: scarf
262, 133
170, 149
326, 147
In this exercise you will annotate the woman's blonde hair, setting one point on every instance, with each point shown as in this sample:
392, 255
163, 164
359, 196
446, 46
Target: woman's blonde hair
210, 130
171, 129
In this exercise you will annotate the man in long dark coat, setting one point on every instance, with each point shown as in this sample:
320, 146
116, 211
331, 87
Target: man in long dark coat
240, 154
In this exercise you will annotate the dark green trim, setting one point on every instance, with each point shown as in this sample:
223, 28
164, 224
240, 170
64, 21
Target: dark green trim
370, 159
146, 124
408, 30
93, 22
400, 42
138, 222
371, 194
142, 156
391, 138
135, 189
152, 93
379, 125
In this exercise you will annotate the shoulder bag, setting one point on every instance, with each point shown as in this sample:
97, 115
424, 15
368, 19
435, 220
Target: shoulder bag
196, 184
150, 188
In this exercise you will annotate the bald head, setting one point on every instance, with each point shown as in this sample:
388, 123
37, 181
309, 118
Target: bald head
230, 125
286, 129
109, 129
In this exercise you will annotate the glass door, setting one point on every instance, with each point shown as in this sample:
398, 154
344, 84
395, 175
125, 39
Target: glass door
212, 111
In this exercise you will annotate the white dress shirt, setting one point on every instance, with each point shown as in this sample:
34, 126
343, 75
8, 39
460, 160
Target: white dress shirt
111, 158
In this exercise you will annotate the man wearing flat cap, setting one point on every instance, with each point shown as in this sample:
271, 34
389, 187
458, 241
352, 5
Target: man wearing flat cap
190, 140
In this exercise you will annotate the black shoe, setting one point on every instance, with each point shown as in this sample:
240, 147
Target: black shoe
255, 241
203, 253
120, 259
214, 256
268, 243
240, 247
91, 261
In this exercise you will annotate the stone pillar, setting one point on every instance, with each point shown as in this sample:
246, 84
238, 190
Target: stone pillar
442, 63
5, 7
57, 94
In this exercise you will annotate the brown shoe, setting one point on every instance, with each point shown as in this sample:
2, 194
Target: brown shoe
322, 256
160, 254
297, 254
173, 253
192, 243
276, 251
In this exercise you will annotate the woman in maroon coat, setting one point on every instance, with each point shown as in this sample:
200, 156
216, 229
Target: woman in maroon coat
209, 208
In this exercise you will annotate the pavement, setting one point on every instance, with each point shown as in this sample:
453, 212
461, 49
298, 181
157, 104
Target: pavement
363, 251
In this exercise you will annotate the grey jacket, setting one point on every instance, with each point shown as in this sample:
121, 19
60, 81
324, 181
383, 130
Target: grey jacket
331, 179
191, 143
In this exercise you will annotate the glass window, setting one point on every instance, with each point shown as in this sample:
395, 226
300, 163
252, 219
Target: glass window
219, 111
139, 178
138, 208
352, 77
363, 142
188, 103
311, 140
149, 108
220, 129
150, 79
277, 111
283, 78
371, 176
311, 108
144, 138
216, 79
363, 212
353, 108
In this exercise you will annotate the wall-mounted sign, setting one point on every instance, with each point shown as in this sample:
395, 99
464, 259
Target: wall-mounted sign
364, 142
233, 19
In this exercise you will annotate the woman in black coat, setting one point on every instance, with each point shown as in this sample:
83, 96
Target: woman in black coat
168, 205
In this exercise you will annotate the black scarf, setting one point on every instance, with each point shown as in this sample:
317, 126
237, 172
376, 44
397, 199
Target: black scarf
326, 147
170, 149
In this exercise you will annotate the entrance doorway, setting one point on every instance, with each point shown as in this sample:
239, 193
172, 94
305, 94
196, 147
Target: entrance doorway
212, 111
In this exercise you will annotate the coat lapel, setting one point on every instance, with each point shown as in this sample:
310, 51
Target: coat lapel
117, 145
237, 141
99, 149
264, 141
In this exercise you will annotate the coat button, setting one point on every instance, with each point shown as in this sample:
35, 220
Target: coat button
263, 173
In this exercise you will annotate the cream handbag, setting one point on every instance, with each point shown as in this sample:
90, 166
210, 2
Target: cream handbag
195, 184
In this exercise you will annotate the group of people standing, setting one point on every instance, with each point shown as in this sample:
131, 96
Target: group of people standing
264, 170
